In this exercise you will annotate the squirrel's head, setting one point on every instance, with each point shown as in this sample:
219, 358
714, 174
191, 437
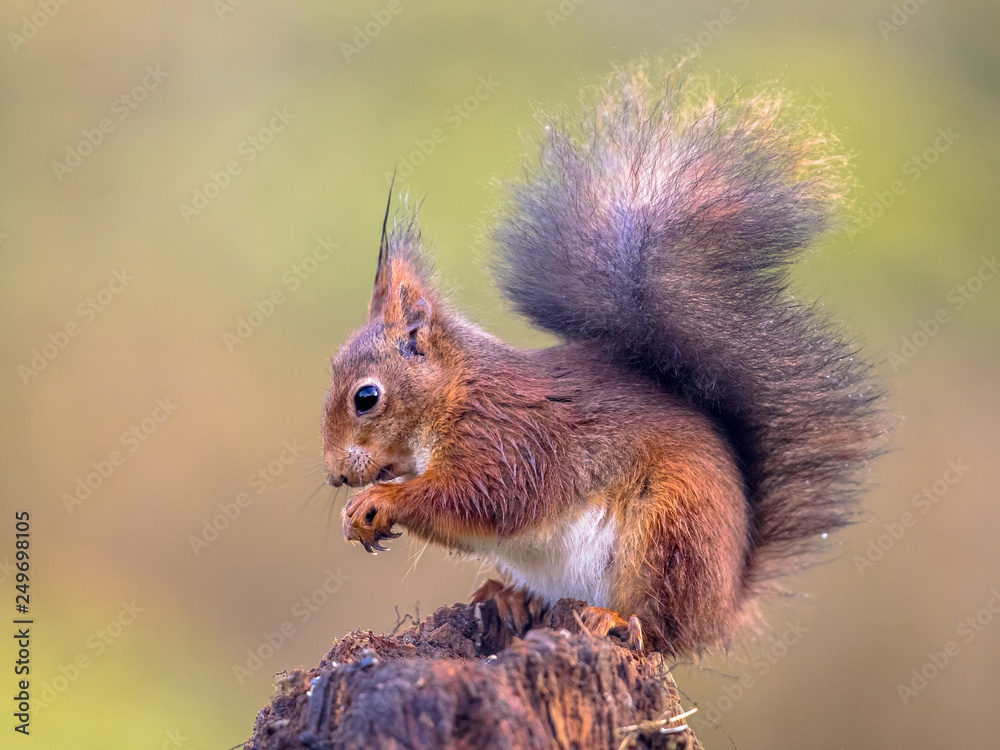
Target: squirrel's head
389, 376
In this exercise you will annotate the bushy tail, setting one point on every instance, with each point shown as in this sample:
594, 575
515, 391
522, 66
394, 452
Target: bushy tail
659, 226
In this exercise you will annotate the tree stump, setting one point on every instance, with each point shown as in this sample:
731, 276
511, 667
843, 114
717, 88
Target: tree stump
462, 679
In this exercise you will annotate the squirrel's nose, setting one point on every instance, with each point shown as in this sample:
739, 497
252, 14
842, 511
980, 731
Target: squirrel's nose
335, 481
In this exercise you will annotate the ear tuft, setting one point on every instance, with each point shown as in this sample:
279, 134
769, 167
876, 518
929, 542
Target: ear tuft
383, 273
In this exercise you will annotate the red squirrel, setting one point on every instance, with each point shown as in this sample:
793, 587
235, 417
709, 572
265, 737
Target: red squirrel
696, 434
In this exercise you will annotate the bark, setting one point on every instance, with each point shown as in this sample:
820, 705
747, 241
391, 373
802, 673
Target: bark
461, 679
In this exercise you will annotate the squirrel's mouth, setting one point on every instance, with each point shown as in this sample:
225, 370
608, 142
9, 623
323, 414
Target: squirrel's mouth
359, 471
388, 474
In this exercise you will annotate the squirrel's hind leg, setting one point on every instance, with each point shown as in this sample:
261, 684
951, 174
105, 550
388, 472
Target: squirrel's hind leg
601, 622
518, 608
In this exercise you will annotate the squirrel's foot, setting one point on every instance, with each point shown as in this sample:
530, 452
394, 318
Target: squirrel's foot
600, 621
517, 608
368, 519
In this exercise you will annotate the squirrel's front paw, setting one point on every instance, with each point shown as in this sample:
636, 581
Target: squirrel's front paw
368, 519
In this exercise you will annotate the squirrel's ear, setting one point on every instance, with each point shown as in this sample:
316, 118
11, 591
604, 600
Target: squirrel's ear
417, 315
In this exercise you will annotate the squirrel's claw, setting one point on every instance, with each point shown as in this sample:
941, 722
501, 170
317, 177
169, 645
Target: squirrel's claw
374, 545
517, 608
368, 520
603, 622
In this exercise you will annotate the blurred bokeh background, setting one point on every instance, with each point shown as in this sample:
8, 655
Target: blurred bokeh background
172, 178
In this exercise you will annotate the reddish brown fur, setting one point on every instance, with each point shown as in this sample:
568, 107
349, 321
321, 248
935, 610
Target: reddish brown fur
522, 441
700, 429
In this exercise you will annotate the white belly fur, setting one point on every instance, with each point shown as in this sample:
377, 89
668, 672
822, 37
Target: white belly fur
573, 561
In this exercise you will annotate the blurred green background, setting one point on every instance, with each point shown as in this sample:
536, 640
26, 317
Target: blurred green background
151, 631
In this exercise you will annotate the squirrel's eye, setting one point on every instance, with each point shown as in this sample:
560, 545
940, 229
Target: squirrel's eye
366, 398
